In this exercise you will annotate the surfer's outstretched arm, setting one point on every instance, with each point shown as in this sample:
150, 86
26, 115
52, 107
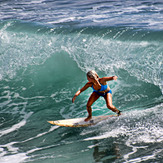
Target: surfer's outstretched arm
76, 94
87, 85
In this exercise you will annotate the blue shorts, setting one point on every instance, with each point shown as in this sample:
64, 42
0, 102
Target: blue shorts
103, 94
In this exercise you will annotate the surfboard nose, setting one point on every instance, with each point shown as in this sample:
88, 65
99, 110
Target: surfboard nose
51, 122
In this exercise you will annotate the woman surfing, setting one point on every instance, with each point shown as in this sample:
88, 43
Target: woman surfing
100, 88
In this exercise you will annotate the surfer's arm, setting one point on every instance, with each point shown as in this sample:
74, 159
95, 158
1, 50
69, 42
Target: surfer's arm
109, 78
80, 91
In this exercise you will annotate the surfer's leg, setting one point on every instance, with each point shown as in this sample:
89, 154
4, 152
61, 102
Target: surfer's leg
108, 99
94, 96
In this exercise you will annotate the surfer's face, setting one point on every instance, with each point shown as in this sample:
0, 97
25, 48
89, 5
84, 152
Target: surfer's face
90, 79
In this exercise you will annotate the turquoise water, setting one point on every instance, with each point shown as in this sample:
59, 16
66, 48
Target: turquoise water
46, 48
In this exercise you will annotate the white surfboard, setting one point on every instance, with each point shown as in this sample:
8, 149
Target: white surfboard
79, 122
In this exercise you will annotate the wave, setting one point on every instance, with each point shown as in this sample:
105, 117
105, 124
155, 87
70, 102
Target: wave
110, 49
42, 66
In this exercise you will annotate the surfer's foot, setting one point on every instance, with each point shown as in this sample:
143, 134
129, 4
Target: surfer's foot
88, 118
119, 113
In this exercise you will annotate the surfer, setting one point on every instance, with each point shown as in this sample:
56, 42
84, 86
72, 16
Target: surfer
100, 88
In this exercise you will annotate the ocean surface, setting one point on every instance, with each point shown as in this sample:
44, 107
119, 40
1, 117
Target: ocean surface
46, 48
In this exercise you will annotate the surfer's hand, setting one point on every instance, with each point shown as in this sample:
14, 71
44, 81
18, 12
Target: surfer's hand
76, 94
73, 99
115, 77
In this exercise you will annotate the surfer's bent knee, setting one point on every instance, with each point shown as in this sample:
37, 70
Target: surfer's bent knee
88, 106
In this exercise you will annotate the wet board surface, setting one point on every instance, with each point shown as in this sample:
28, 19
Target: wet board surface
79, 122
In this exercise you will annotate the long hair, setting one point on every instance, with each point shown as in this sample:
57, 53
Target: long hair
92, 74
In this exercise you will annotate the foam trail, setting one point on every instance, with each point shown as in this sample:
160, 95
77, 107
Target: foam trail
16, 156
41, 134
144, 158
16, 126
140, 131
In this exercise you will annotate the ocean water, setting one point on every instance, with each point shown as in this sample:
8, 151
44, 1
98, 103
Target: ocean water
46, 48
